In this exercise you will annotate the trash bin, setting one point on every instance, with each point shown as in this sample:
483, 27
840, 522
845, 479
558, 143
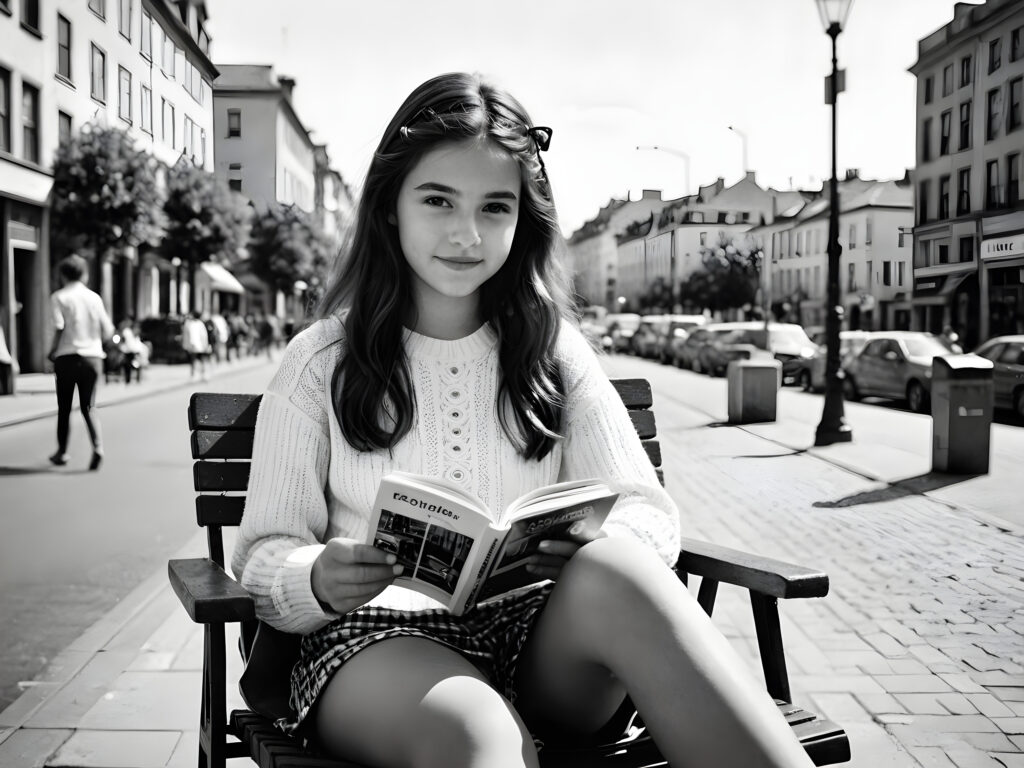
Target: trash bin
962, 402
753, 389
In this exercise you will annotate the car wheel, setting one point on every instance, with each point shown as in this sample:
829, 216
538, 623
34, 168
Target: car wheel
804, 381
917, 398
850, 389
1018, 403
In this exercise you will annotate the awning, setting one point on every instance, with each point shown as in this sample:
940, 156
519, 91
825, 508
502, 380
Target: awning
220, 278
938, 296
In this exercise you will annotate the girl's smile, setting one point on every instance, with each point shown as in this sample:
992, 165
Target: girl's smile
456, 213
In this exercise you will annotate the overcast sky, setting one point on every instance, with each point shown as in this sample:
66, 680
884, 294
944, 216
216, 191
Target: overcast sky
608, 75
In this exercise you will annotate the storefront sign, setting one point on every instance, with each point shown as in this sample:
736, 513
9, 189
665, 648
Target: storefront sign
1002, 247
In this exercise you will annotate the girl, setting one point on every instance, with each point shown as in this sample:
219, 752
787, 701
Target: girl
445, 347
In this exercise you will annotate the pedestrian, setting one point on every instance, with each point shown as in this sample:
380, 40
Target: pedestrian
195, 339
952, 339
445, 346
81, 327
134, 352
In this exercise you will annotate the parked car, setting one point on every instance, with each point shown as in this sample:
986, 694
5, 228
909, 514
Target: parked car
644, 340
786, 342
164, 334
671, 328
621, 327
896, 365
686, 350
1007, 356
810, 372
594, 325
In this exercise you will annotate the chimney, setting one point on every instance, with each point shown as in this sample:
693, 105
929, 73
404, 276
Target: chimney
651, 194
852, 173
287, 85
750, 177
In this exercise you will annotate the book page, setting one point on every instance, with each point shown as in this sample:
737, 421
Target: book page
579, 520
432, 533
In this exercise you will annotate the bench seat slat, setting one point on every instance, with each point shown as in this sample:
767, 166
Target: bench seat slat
220, 475
216, 410
222, 444
635, 393
219, 509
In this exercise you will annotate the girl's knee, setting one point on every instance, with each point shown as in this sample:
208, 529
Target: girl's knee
616, 567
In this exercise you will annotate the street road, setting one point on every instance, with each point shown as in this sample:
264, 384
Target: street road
75, 542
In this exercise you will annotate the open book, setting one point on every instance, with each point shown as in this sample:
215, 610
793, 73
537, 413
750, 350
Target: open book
458, 552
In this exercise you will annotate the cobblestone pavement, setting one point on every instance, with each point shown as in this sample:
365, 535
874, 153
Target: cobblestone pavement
919, 641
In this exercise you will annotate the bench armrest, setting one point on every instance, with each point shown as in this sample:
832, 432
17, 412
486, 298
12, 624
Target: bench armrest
208, 594
775, 578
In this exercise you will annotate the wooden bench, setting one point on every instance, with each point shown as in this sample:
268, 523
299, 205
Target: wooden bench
222, 438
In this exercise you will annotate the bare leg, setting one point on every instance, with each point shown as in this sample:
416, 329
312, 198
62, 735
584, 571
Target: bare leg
618, 617
410, 702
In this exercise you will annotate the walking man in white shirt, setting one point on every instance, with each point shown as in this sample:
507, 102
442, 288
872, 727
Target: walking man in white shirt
81, 326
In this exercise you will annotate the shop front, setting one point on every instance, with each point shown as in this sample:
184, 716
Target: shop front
950, 299
1002, 264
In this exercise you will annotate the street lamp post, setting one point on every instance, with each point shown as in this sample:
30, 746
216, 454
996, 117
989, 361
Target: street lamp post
833, 427
743, 138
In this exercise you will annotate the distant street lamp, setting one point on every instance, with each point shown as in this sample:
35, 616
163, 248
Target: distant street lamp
176, 263
680, 154
833, 427
743, 138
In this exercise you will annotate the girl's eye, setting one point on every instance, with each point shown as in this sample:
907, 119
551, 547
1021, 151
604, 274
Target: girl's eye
440, 202
497, 208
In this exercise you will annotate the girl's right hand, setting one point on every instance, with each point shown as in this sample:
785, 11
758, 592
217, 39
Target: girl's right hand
348, 573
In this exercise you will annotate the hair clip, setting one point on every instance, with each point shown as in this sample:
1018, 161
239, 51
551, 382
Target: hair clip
541, 135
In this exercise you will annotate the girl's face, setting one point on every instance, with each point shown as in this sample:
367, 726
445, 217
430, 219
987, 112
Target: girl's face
457, 212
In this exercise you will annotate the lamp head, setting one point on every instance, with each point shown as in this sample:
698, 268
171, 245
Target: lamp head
833, 12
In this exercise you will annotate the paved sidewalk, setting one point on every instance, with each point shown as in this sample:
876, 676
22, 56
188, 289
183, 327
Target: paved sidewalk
918, 650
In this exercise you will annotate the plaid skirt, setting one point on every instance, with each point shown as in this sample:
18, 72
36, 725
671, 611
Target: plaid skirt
491, 635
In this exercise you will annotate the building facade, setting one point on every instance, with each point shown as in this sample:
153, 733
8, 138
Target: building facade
969, 210
139, 65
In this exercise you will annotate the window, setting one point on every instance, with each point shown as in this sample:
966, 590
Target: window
99, 74
901, 268
124, 17
167, 56
945, 121
202, 147
235, 129
853, 236
1013, 114
186, 138
995, 55
947, 80
994, 102
886, 273
966, 70
966, 249
1013, 179
146, 37
235, 185
167, 110
29, 122
98, 7
869, 275
1017, 44
799, 243
63, 47
30, 15
5, 110
929, 86
124, 94
146, 109
851, 277
944, 197
63, 127
922, 202
867, 232
926, 140
992, 184
965, 125
944, 254
963, 191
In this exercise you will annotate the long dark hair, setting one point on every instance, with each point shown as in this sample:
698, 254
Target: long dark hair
524, 301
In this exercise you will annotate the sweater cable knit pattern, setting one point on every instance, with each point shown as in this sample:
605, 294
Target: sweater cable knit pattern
308, 484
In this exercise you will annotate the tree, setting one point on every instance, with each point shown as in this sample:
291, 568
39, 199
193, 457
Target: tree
730, 278
205, 220
105, 196
286, 248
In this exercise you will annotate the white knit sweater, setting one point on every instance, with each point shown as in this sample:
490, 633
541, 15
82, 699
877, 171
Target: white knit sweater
309, 485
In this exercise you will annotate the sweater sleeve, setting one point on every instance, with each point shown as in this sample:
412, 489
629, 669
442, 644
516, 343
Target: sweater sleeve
286, 514
600, 441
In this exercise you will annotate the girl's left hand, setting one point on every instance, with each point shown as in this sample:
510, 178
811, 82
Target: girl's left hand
552, 556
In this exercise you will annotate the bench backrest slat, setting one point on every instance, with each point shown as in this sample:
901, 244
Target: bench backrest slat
222, 438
